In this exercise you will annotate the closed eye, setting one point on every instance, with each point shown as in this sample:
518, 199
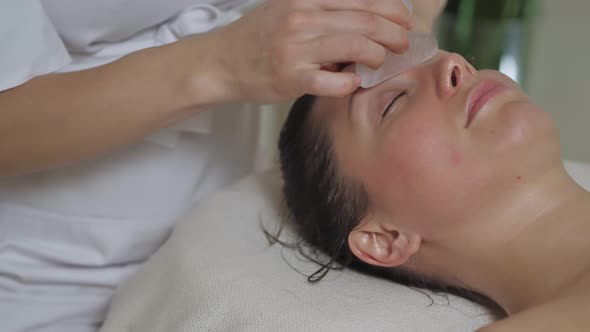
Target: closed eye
392, 103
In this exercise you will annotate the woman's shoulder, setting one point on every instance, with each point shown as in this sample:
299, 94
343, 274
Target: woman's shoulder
568, 312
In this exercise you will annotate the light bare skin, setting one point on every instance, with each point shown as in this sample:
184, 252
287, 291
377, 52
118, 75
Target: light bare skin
275, 53
478, 200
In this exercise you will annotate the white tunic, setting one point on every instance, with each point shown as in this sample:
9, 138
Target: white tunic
69, 236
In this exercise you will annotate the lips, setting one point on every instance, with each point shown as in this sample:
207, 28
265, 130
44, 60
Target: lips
480, 96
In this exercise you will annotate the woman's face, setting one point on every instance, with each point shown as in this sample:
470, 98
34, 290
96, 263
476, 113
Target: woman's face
439, 143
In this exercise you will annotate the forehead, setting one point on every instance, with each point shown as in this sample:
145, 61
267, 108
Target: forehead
332, 115
328, 109
325, 105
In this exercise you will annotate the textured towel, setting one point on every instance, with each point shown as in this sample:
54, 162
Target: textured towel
217, 273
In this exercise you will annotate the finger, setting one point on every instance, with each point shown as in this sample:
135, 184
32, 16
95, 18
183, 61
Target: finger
329, 84
393, 10
389, 34
330, 67
345, 48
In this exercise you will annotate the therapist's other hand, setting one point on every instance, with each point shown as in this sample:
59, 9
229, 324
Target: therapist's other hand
279, 50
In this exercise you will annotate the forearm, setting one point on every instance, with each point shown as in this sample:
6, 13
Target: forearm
58, 119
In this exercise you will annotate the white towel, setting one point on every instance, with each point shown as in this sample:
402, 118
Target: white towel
217, 273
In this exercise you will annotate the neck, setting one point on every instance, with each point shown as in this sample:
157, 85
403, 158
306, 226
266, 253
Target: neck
541, 251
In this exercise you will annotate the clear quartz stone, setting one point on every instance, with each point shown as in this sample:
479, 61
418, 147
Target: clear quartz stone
422, 48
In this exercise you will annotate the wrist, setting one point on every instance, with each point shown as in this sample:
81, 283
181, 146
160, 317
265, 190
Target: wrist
208, 78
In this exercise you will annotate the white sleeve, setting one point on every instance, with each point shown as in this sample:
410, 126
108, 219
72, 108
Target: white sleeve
29, 44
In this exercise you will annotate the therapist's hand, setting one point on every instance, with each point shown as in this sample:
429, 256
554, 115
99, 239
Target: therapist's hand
279, 50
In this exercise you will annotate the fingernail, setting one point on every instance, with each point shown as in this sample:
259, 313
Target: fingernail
357, 81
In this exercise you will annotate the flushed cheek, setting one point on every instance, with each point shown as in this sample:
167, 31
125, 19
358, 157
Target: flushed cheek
417, 158
420, 146
423, 179
455, 156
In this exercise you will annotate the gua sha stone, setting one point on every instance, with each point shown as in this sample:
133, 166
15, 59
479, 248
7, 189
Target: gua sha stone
422, 48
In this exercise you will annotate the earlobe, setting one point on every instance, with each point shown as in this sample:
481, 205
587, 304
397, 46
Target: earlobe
388, 248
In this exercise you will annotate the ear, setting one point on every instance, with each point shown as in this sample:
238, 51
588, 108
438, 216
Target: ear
383, 246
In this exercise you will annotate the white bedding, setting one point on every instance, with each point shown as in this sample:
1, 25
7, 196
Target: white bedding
217, 273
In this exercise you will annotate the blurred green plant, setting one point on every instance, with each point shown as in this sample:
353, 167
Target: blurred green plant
486, 32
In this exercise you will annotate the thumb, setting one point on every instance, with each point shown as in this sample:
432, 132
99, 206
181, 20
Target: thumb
330, 84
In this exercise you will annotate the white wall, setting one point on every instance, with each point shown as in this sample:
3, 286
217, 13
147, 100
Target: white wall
559, 72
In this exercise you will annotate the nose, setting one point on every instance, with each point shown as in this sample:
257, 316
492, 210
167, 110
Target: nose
453, 72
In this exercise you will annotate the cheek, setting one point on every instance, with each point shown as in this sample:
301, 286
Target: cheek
520, 142
422, 173
421, 149
521, 125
